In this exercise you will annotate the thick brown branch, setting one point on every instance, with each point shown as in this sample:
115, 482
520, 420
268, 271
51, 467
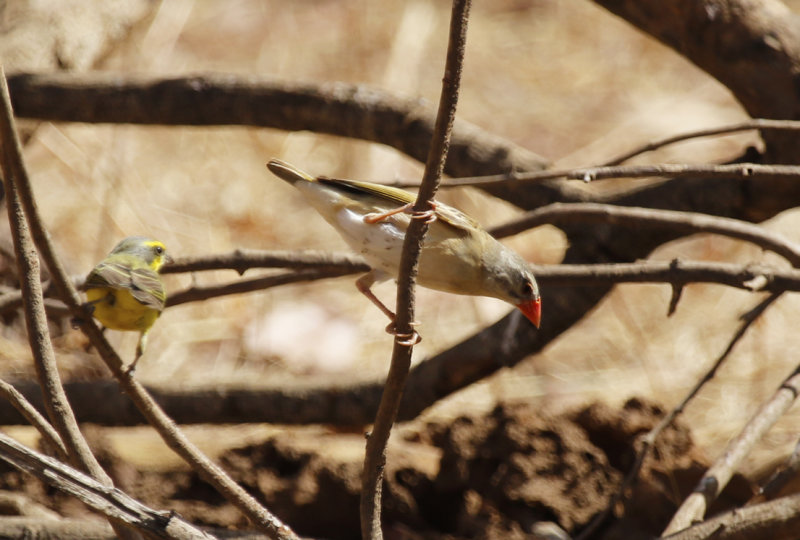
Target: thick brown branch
358, 111
429, 381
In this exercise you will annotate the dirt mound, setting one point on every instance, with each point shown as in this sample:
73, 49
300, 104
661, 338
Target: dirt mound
478, 476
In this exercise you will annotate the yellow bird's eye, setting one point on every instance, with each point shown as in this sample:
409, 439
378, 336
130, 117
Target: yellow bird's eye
159, 249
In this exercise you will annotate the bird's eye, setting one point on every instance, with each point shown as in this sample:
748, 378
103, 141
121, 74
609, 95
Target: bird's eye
159, 250
527, 288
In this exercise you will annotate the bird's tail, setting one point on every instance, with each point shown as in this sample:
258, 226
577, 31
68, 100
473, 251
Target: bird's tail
287, 172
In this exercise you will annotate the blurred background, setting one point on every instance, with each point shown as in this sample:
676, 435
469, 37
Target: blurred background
564, 79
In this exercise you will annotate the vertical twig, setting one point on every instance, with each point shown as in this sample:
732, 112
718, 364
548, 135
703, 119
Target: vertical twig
58, 409
375, 456
154, 414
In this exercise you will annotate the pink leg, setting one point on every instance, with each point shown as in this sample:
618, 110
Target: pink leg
376, 217
363, 284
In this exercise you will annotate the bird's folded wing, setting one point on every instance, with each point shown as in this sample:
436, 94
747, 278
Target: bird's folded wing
390, 194
143, 283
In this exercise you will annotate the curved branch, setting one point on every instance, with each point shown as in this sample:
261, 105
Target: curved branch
748, 125
679, 222
347, 110
737, 42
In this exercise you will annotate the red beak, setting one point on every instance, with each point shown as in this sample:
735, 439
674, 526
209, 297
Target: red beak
532, 309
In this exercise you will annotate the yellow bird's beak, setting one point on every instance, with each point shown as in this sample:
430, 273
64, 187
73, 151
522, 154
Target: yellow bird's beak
532, 309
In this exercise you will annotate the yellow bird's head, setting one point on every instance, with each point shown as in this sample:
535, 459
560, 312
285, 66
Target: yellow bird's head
153, 252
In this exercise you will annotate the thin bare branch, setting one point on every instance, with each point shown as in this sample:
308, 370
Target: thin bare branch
242, 260
375, 456
717, 476
645, 442
591, 174
680, 222
103, 498
198, 293
776, 520
34, 417
748, 125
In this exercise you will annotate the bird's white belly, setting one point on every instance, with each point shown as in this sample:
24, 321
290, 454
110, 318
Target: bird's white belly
381, 243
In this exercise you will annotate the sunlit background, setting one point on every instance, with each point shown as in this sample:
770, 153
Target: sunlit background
563, 79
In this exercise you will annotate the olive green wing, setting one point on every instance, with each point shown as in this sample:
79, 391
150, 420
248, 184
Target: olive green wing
368, 189
398, 196
148, 288
144, 284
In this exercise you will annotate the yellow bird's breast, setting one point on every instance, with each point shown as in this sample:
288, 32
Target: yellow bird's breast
117, 309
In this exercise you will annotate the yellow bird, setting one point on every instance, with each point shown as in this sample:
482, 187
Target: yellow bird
125, 291
458, 256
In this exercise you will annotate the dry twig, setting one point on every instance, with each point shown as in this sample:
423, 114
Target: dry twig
776, 520
144, 402
103, 498
645, 443
591, 174
718, 475
747, 125
781, 478
58, 409
375, 456
34, 417
681, 222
